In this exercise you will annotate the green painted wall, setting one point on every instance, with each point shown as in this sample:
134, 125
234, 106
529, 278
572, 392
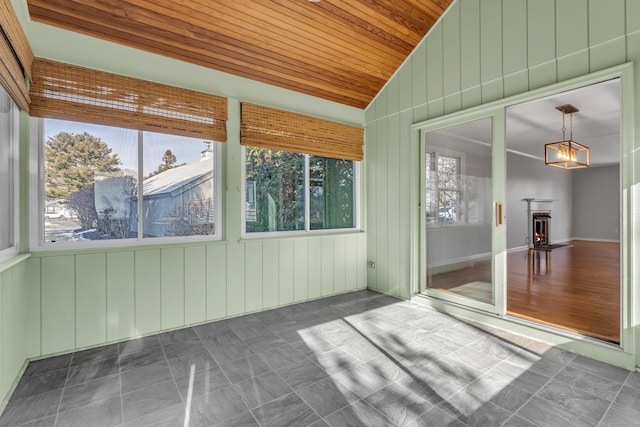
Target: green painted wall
483, 51
95, 297
59, 301
19, 319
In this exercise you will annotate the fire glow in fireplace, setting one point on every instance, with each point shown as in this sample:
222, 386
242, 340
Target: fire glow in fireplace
541, 229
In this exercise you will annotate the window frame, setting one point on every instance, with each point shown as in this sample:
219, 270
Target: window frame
14, 184
462, 203
37, 200
307, 205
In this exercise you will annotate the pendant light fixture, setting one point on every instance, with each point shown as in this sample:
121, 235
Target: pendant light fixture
567, 154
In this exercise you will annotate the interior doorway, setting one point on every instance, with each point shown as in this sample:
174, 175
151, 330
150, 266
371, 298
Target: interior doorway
563, 228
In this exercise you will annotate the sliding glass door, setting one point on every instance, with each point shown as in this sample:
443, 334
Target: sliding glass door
462, 194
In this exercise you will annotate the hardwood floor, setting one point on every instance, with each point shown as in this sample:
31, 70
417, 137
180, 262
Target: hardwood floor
576, 287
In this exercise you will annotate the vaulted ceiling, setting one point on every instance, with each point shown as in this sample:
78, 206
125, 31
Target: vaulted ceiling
339, 50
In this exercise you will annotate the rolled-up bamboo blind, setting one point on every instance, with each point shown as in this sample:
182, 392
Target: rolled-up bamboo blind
68, 92
16, 56
282, 130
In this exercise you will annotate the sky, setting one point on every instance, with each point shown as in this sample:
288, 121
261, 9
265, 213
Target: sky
123, 142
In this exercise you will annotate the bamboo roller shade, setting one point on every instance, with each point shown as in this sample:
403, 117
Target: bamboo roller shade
282, 130
16, 56
68, 92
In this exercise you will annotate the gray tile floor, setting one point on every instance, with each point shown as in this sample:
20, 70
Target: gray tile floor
350, 360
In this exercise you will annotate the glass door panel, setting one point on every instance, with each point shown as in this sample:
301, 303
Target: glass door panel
458, 214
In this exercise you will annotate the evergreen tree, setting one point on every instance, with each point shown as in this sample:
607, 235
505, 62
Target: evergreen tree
72, 161
168, 161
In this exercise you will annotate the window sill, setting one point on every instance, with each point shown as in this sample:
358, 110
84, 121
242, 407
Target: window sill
11, 262
122, 245
298, 234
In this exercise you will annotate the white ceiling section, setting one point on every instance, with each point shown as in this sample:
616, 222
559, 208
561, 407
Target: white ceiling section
597, 125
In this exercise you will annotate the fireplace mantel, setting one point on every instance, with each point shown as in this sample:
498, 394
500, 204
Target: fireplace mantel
530, 239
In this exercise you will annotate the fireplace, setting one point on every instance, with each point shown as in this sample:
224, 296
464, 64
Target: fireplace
541, 227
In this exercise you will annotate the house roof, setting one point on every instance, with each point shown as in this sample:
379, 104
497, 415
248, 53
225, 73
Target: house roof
340, 50
174, 178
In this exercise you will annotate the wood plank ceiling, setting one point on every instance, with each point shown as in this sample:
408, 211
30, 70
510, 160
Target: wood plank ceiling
340, 50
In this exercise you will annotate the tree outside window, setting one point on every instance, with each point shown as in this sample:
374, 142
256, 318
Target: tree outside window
295, 192
92, 191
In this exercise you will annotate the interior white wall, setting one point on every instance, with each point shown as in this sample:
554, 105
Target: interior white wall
531, 178
596, 203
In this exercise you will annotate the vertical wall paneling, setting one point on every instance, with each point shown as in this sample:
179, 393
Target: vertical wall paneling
370, 112
506, 47
195, 284
451, 38
374, 162
285, 252
393, 203
315, 267
22, 312
405, 203
606, 33
405, 89
381, 103
393, 94
514, 44
381, 206
6, 329
351, 259
235, 279
339, 264
18, 315
270, 275
571, 26
58, 304
434, 71
606, 21
418, 65
572, 38
470, 53
33, 285
216, 282
91, 299
491, 50
541, 37
327, 266
632, 13
120, 278
15, 338
514, 47
362, 262
253, 276
172, 287
147, 294
300, 270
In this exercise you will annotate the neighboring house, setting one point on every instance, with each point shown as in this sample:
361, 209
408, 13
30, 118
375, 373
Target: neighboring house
178, 199
56, 209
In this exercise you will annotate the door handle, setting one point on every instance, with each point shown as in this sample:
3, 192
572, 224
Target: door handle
498, 214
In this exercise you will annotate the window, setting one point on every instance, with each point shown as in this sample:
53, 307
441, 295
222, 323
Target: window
8, 176
444, 199
301, 172
90, 187
291, 192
